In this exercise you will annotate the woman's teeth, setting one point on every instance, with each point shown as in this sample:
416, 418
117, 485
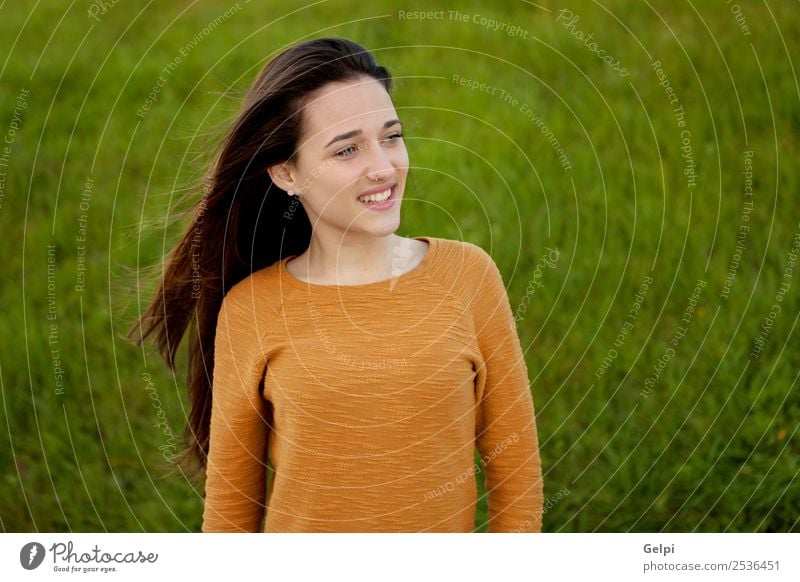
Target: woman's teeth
380, 197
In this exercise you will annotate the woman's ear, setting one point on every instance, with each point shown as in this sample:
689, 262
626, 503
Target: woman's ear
283, 176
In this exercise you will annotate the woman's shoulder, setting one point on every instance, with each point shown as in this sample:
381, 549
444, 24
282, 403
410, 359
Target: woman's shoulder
255, 293
469, 249
466, 270
463, 258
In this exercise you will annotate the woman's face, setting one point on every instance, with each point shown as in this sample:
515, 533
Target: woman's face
351, 145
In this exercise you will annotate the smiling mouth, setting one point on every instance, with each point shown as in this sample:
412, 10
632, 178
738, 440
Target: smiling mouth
379, 197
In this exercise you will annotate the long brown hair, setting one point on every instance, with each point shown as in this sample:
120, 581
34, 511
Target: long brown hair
243, 222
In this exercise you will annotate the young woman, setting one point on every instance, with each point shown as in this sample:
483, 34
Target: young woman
361, 367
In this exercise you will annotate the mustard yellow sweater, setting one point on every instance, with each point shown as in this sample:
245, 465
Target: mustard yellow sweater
368, 402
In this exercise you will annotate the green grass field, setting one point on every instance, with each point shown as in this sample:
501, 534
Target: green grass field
676, 410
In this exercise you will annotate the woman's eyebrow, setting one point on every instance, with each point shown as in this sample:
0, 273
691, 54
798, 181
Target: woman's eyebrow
356, 132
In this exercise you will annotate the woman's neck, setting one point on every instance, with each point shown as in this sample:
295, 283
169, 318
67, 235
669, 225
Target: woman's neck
357, 260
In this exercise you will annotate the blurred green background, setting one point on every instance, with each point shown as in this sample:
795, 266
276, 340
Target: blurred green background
676, 410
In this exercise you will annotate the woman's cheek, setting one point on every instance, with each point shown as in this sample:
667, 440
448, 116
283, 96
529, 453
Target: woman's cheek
345, 181
401, 162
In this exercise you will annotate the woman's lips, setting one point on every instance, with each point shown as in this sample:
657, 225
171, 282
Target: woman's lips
388, 203
378, 189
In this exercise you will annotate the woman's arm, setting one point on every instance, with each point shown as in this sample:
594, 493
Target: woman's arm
506, 434
236, 470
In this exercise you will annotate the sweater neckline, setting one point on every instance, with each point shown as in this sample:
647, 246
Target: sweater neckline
414, 273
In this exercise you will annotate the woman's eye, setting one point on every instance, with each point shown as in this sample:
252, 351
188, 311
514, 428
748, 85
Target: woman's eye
350, 150
344, 153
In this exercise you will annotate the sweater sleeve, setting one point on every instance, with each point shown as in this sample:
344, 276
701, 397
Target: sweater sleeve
236, 470
506, 435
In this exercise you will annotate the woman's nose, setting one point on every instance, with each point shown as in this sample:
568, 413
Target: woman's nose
381, 168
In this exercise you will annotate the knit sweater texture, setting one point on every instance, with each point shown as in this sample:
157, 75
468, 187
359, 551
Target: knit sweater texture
368, 402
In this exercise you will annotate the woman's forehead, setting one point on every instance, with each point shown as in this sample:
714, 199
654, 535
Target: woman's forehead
343, 107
